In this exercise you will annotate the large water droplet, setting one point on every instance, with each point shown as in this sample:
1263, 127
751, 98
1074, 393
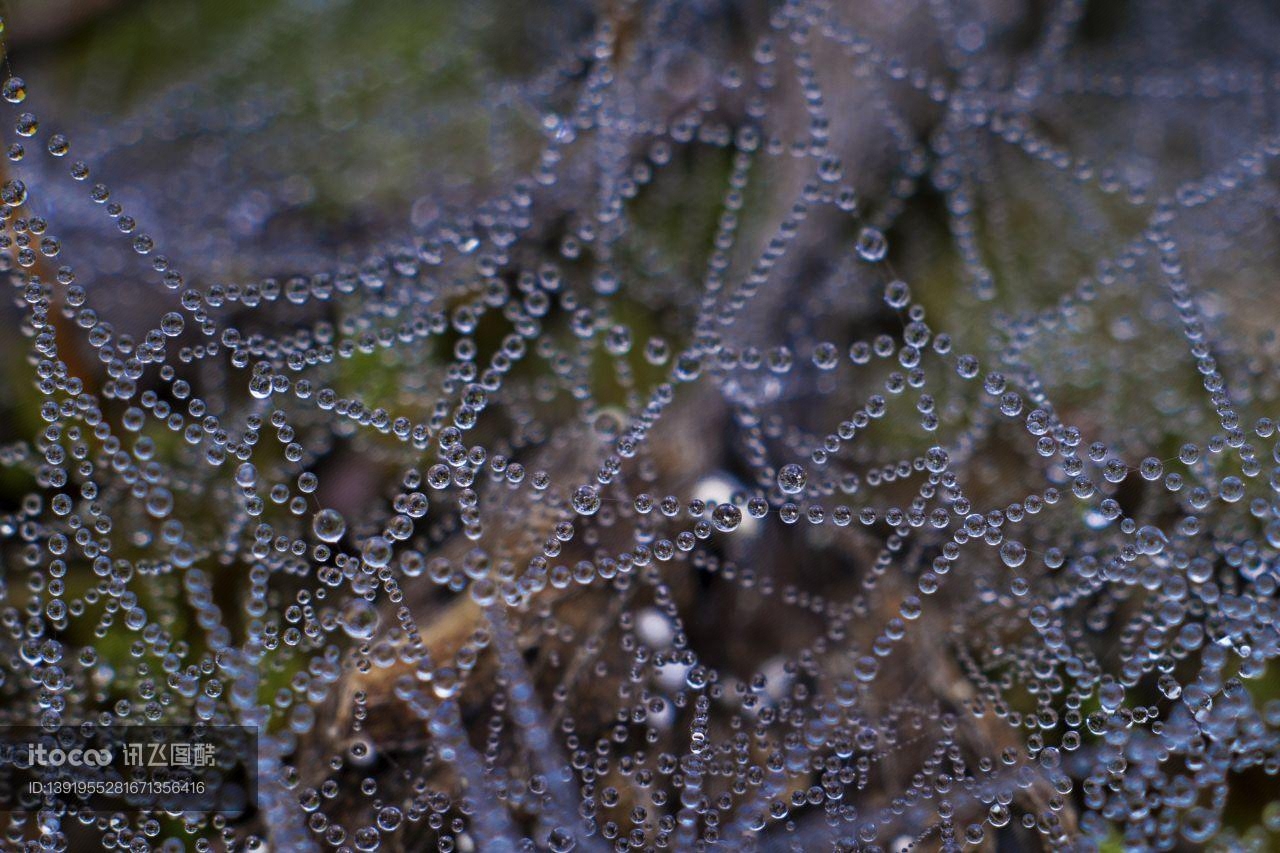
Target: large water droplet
329, 525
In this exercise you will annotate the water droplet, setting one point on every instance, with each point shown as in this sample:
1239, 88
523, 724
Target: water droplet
1232, 489
726, 517
872, 245
13, 193
376, 552
1013, 553
791, 478
14, 90
359, 619
329, 525
586, 500
561, 840
1150, 540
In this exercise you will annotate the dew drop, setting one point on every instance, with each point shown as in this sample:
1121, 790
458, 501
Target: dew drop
726, 517
872, 245
359, 619
329, 525
586, 500
792, 478
1013, 553
14, 90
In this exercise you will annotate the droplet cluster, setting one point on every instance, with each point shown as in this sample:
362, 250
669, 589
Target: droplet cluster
708, 426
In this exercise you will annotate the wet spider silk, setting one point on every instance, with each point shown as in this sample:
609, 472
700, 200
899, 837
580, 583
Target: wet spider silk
767, 428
